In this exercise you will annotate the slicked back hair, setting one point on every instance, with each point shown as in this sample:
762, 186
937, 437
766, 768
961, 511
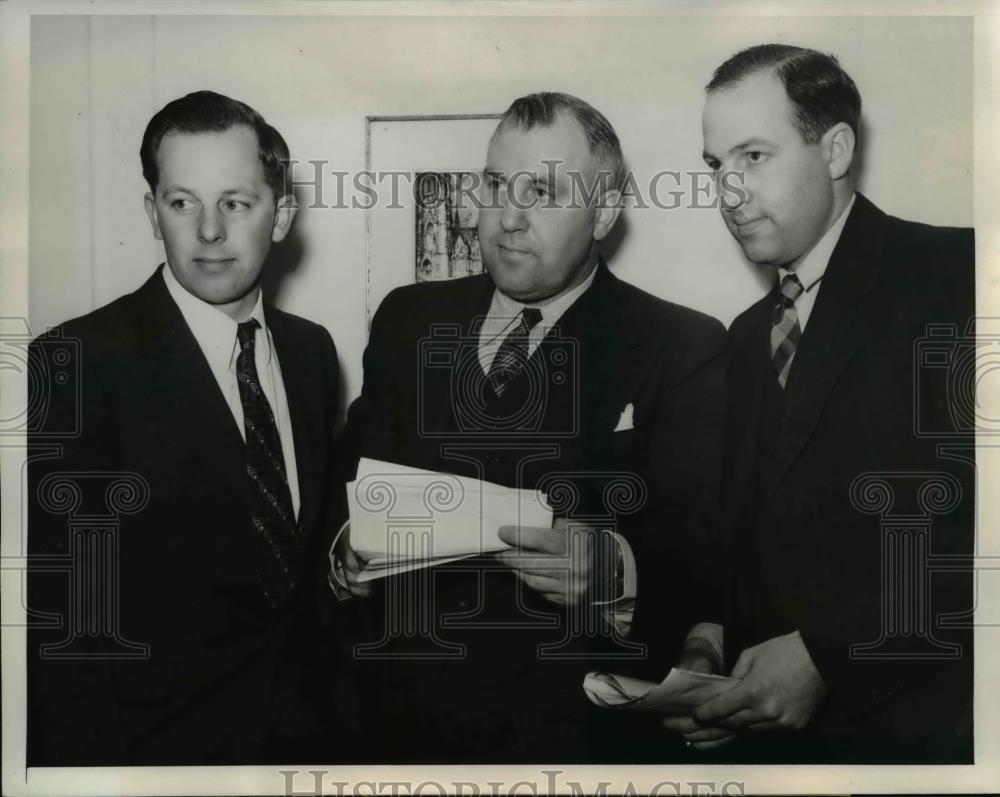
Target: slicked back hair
208, 112
821, 92
543, 109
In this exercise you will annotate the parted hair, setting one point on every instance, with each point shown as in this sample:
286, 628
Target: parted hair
209, 112
821, 92
542, 109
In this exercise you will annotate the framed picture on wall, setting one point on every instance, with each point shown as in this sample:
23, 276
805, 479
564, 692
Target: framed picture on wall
425, 173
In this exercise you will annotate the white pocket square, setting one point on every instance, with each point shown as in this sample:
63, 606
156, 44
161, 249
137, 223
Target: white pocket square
625, 421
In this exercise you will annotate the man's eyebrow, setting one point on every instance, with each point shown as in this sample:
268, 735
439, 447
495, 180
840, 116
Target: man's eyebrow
751, 142
170, 189
546, 180
756, 141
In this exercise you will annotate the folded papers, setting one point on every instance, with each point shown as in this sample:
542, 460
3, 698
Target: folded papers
677, 694
404, 518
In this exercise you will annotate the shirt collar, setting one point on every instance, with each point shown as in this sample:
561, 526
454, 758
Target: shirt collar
504, 306
812, 267
213, 329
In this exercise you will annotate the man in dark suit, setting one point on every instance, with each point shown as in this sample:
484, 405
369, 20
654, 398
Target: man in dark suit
181, 509
546, 373
842, 505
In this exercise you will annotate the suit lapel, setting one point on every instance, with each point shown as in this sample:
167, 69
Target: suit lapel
460, 320
190, 394
849, 308
613, 355
751, 387
305, 408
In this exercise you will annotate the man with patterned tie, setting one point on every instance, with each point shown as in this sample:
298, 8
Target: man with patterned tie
223, 407
547, 372
824, 389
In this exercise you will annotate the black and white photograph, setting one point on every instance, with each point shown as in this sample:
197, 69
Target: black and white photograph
499, 398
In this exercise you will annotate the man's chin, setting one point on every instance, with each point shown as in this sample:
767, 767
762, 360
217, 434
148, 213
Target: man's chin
510, 281
760, 256
519, 293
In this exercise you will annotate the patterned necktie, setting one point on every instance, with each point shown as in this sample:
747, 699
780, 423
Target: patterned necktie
513, 352
279, 549
785, 329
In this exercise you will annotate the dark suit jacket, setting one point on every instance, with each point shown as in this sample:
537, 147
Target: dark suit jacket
813, 553
503, 695
220, 682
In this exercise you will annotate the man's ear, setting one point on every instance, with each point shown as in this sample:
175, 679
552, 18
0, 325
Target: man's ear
284, 214
154, 219
607, 214
838, 146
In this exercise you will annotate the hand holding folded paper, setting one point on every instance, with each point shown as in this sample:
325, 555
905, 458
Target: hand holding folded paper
404, 518
677, 694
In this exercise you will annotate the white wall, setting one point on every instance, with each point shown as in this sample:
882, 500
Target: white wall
97, 80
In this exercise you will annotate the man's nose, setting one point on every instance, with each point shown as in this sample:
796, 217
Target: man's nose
211, 229
513, 211
733, 189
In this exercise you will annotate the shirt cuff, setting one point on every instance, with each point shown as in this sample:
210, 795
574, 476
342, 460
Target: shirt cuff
620, 611
709, 637
335, 577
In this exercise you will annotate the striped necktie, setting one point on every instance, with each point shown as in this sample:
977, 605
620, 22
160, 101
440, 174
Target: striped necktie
513, 352
279, 548
785, 329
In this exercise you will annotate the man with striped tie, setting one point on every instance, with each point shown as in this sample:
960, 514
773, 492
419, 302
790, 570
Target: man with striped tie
547, 372
218, 411
825, 390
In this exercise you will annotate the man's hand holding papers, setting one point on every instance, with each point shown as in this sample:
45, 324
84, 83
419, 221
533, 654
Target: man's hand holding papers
557, 562
348, 566
780, 689
680, 693
403, 518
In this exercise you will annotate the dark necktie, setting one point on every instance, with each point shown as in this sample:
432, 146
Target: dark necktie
785, 329
513, 352
279, 549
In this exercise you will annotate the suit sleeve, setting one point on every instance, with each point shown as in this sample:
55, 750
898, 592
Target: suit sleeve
369, 411
674, 546
316, 554
72, 716
861, 684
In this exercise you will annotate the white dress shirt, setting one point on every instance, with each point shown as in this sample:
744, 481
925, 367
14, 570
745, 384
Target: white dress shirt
811, 268
505, 314
216, 335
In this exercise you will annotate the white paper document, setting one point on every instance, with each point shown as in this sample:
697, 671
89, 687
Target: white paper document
403, 518
678, 693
